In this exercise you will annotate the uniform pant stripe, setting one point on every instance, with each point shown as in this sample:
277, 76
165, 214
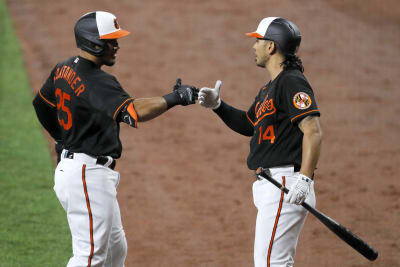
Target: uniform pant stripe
276, 224
90, 216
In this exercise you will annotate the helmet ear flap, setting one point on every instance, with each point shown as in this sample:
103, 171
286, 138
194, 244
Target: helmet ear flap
94, 48
87, 35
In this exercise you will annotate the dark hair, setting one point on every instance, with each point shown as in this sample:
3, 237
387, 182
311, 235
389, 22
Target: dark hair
292, 62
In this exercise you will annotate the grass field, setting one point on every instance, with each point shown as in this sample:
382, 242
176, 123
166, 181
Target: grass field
33, 226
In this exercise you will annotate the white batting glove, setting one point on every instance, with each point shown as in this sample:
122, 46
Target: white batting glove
209, 97
299, 190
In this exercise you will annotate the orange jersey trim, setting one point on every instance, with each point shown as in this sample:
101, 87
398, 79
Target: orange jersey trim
276, 224
90, 216
120, 106
47, 101
292, 119
261, 118
247, 115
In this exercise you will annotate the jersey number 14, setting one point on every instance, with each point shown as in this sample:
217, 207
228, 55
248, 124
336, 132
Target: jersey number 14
268, 134
62, 99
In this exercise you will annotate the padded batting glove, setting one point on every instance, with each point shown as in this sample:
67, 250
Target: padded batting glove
209, 97
58, 147
181, 95
299, 191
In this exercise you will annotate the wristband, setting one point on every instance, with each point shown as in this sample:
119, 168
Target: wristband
172, 99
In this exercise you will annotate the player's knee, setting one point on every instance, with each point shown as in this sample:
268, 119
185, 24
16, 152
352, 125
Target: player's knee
123, 246
120, 245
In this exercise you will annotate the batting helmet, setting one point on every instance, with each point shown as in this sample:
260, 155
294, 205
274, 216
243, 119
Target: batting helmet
93, 28
282, 31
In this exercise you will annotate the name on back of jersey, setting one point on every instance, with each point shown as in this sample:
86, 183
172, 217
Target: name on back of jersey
69, 75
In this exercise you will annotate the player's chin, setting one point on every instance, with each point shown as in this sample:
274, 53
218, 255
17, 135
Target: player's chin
109, 62
261, 65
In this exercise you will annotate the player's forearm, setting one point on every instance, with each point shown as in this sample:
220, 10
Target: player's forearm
149, 108
312, 140
235, 119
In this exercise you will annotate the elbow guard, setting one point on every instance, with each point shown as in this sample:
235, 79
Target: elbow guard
129, 115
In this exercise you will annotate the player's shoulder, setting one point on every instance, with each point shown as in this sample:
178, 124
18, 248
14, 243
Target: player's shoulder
69, 61
293, 78
102, 80
292, 75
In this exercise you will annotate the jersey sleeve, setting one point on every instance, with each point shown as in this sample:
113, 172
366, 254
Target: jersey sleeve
235, 119
297, 98
46, 93
128, 115
109, 96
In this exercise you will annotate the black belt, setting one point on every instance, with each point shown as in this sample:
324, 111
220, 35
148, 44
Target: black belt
100, 160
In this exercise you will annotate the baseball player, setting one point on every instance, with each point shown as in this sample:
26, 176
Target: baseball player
81, 107
283, 123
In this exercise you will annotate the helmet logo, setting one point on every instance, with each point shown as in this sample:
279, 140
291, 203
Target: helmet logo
302, 100
116, 24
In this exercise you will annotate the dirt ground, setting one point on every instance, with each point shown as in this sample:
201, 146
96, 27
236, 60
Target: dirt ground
185, 190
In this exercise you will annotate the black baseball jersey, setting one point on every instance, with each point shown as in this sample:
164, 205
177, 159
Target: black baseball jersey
278, 107
88, 102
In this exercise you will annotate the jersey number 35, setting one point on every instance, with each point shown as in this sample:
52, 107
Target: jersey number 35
63, 99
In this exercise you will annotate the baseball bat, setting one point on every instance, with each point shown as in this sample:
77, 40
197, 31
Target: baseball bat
338, 229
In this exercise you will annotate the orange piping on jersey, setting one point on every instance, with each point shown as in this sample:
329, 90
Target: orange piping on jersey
120, 106
132, 112
276, 224
292, 119
47, 101
90, 216
247, 115
256, 107
262, 117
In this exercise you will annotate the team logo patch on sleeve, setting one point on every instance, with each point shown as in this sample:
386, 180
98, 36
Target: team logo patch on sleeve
302, 100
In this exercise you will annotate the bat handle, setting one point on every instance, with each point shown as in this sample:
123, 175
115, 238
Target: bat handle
281, 187
273, 181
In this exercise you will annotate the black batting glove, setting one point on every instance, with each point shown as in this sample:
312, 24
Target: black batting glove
182, 95
58, 147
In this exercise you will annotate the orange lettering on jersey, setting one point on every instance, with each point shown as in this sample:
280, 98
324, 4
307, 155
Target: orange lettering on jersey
266, 105
55, 76
80, 89
264, 109
77, 79
66, 72
70, 76
62, 71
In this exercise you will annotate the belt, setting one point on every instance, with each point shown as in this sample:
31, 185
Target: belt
106, 161
282, 169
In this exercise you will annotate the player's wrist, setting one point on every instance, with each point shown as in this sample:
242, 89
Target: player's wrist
304, 178
172, 99
217, 104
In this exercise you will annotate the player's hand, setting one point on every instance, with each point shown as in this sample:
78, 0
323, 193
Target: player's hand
209, 97
58, 147
299, 191
187, 94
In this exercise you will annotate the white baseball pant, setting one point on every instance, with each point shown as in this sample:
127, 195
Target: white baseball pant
88, 194
278, 223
